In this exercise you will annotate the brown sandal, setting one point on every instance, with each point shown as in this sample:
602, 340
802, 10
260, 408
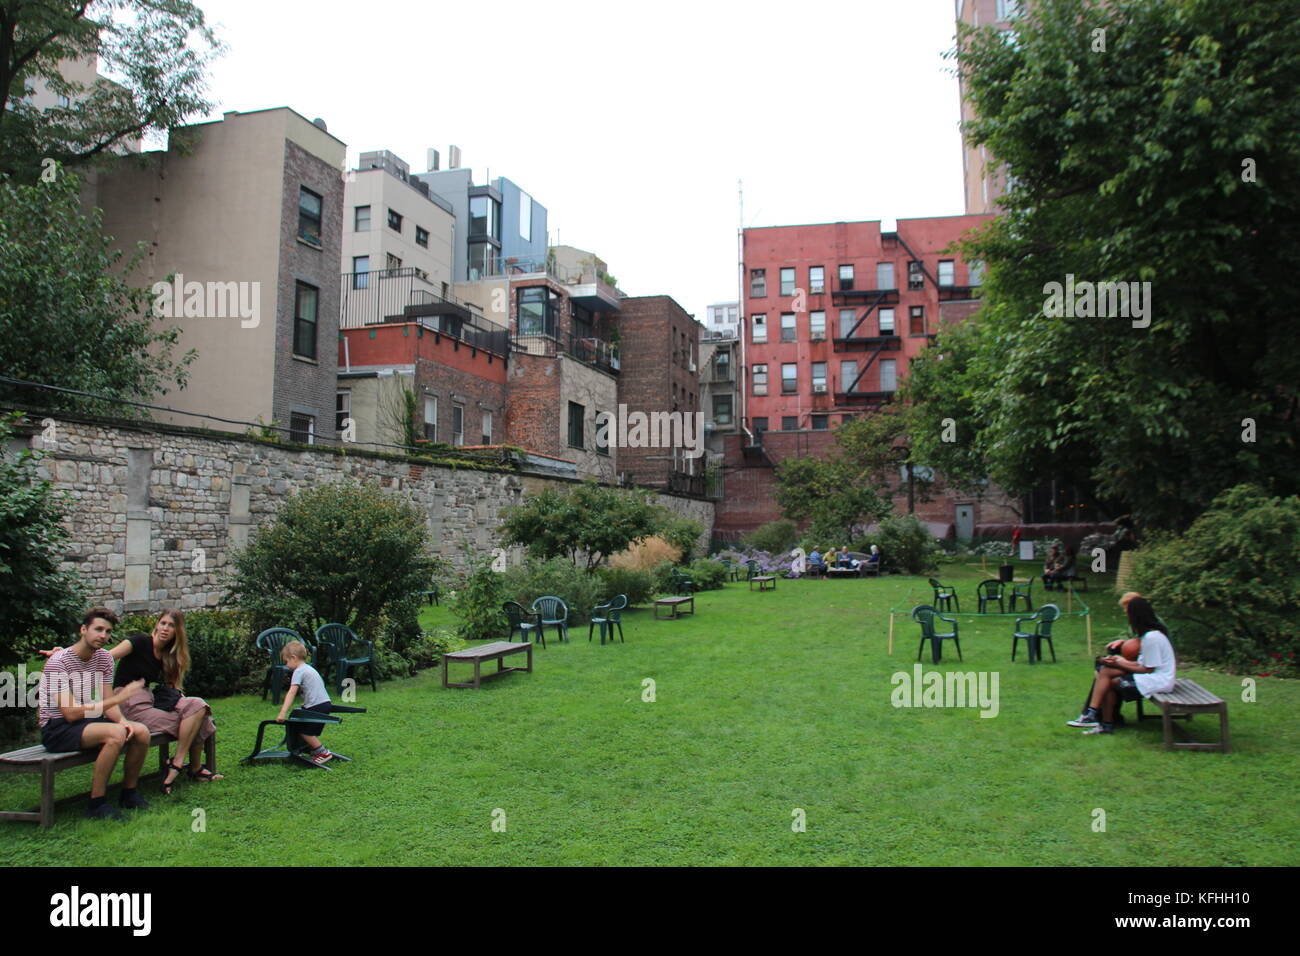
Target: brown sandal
206, 775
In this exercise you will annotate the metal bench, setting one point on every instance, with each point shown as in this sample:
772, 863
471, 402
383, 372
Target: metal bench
1188, 698
39, 760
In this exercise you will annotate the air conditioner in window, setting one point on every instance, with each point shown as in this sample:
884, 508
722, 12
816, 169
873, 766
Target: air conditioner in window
818, 337
819, 388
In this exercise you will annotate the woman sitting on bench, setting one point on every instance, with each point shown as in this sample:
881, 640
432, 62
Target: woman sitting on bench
1121, 679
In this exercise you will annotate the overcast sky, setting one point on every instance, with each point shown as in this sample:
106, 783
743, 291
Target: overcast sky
631, 123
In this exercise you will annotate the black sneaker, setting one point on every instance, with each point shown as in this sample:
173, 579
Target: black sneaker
1102, 728
133, 801
105, 811
1089, 718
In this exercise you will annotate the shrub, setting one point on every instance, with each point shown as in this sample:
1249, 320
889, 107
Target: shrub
222, 652
682, 533
534, 578
906, 544
638, 585
590, 520
662, 575
707, 575
1230, 585
478, 602
647, 555
774, 536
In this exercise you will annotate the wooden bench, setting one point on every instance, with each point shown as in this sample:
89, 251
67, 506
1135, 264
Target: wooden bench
843, 573
763, 581
1188, 698
497, 651
39, 760
675, 604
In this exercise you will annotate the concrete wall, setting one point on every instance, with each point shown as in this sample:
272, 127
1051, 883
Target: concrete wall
145, 500
453, 186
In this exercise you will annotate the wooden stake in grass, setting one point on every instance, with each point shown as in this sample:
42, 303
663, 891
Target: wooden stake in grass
1069, 598
891, 632
1088, 618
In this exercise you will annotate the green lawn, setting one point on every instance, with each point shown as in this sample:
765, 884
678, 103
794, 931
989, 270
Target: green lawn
765, 703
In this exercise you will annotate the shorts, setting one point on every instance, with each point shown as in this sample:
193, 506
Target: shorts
60, 737
1128, 689
313, 730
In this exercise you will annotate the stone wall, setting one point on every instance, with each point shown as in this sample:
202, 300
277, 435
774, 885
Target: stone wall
154, 510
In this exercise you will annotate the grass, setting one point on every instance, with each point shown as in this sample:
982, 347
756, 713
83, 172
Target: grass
765, 703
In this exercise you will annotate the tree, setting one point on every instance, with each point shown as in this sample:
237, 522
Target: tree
68, 315
340, 552
852, 486
36, 594
1148, 141
591, 520
158, 48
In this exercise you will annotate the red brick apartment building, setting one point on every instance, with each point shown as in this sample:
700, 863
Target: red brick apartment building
834, 314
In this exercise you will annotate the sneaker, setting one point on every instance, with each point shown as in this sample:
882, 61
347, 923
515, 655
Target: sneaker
321, 757
1089, 718
105, 811
133, 801
1102, 728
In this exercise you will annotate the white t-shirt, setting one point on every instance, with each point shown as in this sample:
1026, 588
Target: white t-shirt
1157, 653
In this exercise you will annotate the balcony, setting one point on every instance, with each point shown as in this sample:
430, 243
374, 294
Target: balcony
866, 343
393, 295
865, 297
544, 340
951, 292
863, 398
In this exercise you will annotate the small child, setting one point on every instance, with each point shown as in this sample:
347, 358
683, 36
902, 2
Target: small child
314, 697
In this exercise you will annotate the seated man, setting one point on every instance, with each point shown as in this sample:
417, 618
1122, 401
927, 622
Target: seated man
844, 560
1119, 679
79, 711
1067, 570
816, 564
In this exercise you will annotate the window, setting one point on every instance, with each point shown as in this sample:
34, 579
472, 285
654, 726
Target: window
309, 213
819, 376
1008, 9
888, 375
393, 262
787, 327
342, 408
759, 376
484, 217
947, 272
759, 331
576, 412
361, 219
820, 422
789, 423
482, 260
817, 324
64, 100
361, 272
602, 434
422, 237
845, 419
915, 277
394, 220
457, 424
916, 320
816, 279
848, 374
722, 366
302, 428
487, 428
760, 426
722, 409
305, 301
525, 217
977, 273
537, 311
847, 318
846, 278
787, 282
789, 377
757, 283
886, 321
885, 275
431, 417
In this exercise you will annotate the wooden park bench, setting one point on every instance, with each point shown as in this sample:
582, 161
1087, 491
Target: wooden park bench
763, 581
497, 651
1188, 698
39, 760
674, 604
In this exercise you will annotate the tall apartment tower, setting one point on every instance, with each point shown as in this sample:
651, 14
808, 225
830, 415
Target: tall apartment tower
985, 179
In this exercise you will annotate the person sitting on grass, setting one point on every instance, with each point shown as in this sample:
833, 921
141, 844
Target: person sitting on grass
72, 719
1120, 679
314, 698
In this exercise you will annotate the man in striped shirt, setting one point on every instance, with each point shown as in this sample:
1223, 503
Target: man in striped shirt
79, 711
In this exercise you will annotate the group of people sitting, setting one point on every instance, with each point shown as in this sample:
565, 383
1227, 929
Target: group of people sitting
819, 563
1058, 569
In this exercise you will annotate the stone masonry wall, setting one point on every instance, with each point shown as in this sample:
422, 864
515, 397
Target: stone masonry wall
154, 510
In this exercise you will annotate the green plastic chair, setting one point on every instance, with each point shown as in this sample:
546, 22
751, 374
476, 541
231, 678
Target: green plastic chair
272, 641
339, 644
733, 572
682, 584
552, 610
1023, 592
751, 564
989, 591
944, 597
1042, 631
611, 618
519, 616
926, 616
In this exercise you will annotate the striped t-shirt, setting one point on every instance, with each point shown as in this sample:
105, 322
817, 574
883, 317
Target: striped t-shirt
66, 671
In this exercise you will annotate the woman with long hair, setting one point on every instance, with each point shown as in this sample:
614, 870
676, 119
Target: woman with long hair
1120, 679
162, 658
